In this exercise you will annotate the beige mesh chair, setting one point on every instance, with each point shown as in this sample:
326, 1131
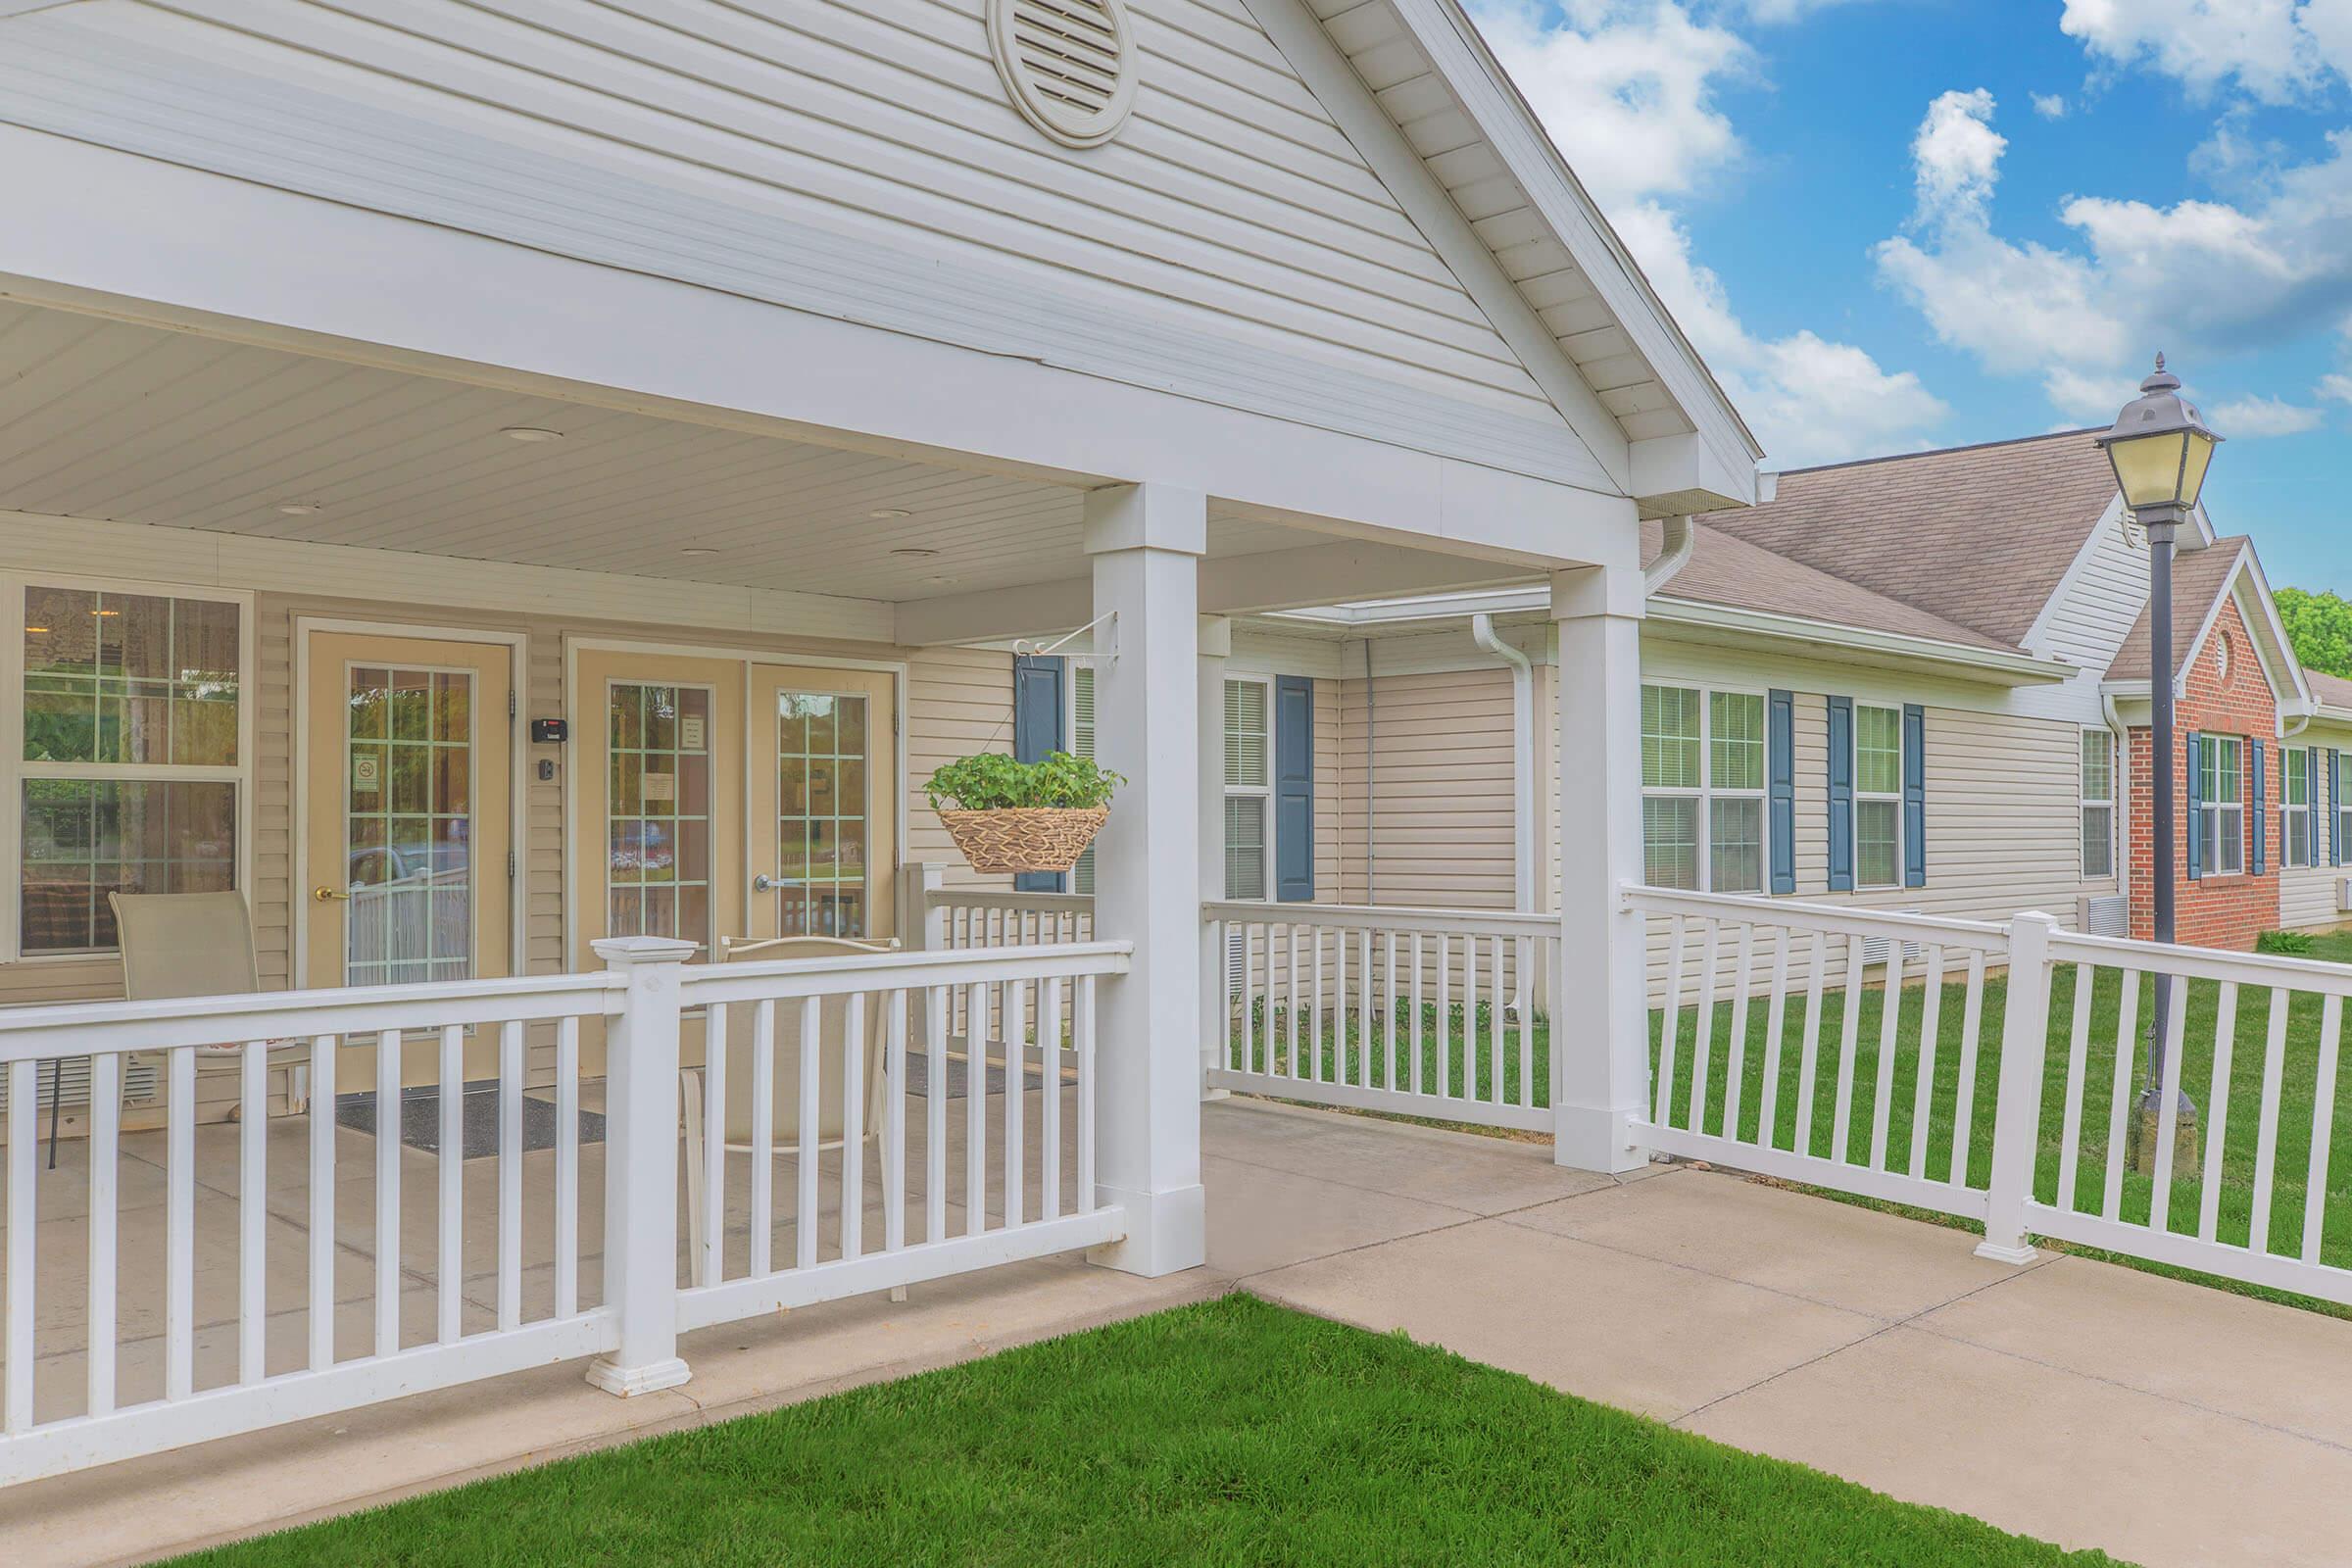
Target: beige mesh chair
784, 1100
199, 945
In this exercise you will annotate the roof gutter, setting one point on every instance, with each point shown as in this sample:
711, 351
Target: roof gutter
1682, 536
1523, 756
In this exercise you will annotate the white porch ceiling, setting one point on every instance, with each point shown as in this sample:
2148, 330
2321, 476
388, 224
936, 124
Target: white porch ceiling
106, 420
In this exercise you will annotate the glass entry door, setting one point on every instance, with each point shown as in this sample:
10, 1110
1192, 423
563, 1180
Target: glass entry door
407, 810
825, 804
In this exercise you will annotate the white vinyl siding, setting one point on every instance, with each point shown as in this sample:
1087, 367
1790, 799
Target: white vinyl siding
2221, 824
1877, 796
1702, 789
2098, 803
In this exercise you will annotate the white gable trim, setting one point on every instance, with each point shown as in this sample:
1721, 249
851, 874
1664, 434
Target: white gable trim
2251, 590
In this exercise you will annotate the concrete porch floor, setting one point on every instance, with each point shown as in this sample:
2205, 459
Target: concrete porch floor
2072, 1400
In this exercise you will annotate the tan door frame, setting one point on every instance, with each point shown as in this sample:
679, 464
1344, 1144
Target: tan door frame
519, 646
574, 646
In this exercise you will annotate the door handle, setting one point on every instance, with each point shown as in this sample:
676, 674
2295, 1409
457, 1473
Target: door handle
763, 883
322, 894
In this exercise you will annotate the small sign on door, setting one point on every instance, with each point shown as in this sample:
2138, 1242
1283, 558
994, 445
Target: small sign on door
366, 774
661, 787
690, 734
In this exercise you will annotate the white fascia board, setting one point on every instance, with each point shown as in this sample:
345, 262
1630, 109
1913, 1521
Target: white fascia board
194, 252
1981, 664
2278, 653
1461, 56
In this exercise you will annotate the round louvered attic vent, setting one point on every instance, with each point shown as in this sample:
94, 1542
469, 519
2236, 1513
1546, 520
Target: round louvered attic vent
1069, 65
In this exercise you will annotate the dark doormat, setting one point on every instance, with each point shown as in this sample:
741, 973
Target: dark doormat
420, 1119
918, 1075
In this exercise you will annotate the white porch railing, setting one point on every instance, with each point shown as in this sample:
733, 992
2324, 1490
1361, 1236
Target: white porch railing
1425, 1012
1995, 1071
411, 1287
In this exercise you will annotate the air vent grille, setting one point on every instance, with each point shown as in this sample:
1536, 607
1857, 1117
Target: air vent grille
1069, 65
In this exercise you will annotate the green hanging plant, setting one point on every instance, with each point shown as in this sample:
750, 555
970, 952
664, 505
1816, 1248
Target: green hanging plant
992, 781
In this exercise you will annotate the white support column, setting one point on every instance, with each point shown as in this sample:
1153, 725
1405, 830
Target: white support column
1599, 1015
1216, 645
1146, 542
641, 1166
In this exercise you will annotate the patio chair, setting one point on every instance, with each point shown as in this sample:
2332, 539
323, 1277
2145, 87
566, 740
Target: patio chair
785, 1095
198, 944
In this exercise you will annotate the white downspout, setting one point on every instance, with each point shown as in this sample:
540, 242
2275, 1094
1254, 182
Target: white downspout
1523, 757
2123, 797
1680, 537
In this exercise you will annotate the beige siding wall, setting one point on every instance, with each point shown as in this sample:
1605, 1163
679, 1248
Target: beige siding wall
1432, 789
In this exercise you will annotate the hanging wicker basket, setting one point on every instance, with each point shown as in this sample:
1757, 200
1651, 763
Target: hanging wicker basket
1042, 837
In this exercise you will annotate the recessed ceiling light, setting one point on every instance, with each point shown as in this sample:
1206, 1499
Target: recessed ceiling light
298, 509
941, 581
530, 432
915, 552
36, 630
884, 513
697, 550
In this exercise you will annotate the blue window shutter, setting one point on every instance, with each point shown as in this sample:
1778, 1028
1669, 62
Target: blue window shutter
1915, 796
2335, 845
2188, 755
1841, 794
1293, 788
1038, 716
1780, 789
2260, 819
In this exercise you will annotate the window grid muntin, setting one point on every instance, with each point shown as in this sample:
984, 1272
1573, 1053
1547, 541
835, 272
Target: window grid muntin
642, 898
2096, 793
1249, 751
1690, 737
2294, 806
409, 755
828, 899
66, 869
1878, 796
2220, 807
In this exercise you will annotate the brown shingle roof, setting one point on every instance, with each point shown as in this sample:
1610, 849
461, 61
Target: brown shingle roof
2198, 578
1978, 536
1728, 571
2332, 690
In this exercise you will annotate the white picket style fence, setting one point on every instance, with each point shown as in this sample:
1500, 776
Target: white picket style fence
637, 1005
2002, 1011
1425, 1012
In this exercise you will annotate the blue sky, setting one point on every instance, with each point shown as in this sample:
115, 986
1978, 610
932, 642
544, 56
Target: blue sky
1892, 225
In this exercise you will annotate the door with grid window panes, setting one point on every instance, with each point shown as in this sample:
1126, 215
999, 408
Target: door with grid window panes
1702, 789
407, 810
824, 825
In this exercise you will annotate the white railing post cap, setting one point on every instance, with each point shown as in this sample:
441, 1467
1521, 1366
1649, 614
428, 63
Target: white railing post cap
629, 953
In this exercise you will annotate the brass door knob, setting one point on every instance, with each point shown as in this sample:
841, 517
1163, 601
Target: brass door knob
322, 894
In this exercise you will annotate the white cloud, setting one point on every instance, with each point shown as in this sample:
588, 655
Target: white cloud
2049, 105
2201, 279
2335, 386
2257, 416
1626, 88
2269, 47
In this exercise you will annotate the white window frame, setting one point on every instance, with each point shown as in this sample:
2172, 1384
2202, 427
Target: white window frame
2228, 816
15, 769
1707, 792
1265, 792
1854, 771
2087, 803
2292, 810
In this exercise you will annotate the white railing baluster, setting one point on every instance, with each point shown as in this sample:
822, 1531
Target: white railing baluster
1388, 1010
1338, 998
806, 1172
1315, 1070
1972, 1014
1702, 1044
106, 1125
2119, 1104
253, 1111
325, 1048
451, 1229
1470, 1033
1922, 1096
713, 1178
387, 1191
568, 1167
15, 1370
1446, 1017
2167, 1121
1670, 1029
2078, 1047
1849, 1035
854, 1123
1496, 1005
1085, 1031
1365, 1024
761, 1256
1290, 997
1048, 1044
1736, 1056
1414, 1020
975, 1116
2266, 1143
1249, 983
935, 1112
2224, 1039
179, 1225
1809, 1053
1768, 1117
894, 1127
1890, 1012
2323, 1129
510, 1175
1016, 1093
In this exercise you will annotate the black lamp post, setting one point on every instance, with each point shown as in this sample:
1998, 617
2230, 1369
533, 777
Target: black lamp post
2160, 448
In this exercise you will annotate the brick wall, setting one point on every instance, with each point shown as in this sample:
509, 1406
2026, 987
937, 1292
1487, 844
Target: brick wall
2216, 910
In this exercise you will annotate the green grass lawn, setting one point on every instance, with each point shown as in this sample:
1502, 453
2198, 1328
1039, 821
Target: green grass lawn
2240, 1121
1230, 1433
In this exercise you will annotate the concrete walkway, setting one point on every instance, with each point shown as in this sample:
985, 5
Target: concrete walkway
2071, 1400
